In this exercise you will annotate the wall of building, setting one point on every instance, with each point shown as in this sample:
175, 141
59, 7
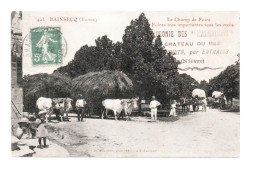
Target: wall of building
16, 65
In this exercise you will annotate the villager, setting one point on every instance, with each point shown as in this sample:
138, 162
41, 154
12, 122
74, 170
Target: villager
173, 109
153, 106
80, 105
42, 131
23, 130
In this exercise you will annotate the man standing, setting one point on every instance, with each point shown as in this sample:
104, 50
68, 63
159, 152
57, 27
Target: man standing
195, 103
183, 104
153, 106
173, 109
80, 105
204, 104
56, 110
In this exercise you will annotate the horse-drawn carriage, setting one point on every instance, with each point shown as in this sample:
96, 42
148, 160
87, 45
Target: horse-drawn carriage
218, 100
199, 100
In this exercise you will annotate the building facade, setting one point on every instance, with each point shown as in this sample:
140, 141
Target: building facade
16, 64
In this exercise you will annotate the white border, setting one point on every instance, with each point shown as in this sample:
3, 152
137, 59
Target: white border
250, 87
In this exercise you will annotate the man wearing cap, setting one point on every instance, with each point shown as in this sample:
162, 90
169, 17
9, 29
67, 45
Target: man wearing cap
153, 106
80, 105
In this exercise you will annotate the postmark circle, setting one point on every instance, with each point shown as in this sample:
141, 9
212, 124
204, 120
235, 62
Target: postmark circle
45, 45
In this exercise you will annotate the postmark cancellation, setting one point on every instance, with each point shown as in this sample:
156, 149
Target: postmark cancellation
46, 45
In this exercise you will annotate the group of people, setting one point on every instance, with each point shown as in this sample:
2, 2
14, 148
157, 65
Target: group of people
27, 131
184, 103
61, 114
61, 108
154, 104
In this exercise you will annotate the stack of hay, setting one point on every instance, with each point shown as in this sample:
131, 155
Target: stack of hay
104, 84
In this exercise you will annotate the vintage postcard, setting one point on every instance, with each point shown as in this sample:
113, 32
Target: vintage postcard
125, 84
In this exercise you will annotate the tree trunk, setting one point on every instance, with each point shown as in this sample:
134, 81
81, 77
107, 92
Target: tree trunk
140, 106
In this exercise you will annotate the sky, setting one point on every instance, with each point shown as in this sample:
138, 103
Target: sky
183, 32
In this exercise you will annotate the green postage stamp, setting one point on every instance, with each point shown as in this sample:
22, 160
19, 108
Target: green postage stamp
46, 45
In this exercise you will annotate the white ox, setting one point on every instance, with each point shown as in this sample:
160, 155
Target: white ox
45, 104
65, 107
117, 105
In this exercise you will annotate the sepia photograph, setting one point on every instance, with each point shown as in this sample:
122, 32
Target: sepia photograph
125, 84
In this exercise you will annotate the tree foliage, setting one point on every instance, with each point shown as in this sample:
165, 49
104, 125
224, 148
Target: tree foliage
105, 55
227, 81
147, 62
186, 84
204, 85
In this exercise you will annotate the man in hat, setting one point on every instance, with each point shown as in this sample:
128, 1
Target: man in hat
23, 131
153, 106
80, 105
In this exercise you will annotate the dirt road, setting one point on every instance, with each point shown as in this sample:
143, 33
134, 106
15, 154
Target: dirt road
198, 134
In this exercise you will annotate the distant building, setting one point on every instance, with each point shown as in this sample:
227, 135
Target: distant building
16, 63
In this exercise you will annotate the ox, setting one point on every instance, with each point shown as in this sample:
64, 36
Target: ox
45, 104
65, 107
117, 105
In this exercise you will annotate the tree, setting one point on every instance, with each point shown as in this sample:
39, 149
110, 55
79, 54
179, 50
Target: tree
228, 81
137, 43
146, 61
105, 55
108, 54
186, 84
204, 85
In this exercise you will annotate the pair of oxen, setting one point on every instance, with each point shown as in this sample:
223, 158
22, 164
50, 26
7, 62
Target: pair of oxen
60, 106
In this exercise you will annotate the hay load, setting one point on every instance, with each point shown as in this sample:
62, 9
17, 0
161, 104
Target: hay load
95, 86
217, 94
198, 92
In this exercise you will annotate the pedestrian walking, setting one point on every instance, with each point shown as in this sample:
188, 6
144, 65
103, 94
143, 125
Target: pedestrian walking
153, 106
80, 105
